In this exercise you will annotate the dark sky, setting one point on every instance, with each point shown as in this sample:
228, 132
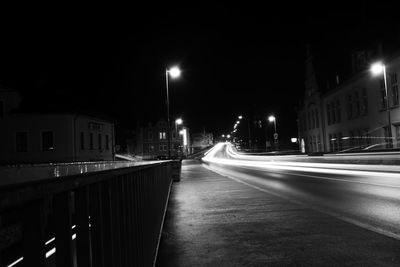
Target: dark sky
234, 60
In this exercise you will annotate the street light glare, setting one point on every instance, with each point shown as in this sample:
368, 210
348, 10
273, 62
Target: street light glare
240, 117
179, 121
377, 68
174, 72
271, 118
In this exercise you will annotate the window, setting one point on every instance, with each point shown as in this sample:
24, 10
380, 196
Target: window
317, 118
312, 119
151, 148
319, 143
340, 141
338, 112
349, 107
367, 136
21, 141
395, 89
328, 113
47, 141
162, 147
330, 143
162, 135
382, 95
107, 142
364, 104
90, 140
386, 134
356, 105
397, 131
82, 140
100, 141
333, 112
150, 135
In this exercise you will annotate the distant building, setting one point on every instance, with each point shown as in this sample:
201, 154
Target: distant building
44, 138
201, 141
152, 141
351, 115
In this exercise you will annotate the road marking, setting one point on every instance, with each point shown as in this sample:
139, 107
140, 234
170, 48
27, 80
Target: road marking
313, 207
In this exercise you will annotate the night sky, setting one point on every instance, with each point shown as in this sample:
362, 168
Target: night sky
234, 60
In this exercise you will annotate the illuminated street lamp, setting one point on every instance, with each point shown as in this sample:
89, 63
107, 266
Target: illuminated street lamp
273, 119
174, 72
178, 121
377, 69
240, 117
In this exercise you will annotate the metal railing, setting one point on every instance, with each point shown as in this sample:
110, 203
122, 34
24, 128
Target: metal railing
107, 218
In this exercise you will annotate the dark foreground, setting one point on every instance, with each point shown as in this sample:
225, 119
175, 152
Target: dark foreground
215, 221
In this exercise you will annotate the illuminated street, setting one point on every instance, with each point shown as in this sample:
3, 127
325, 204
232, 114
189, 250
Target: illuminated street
239, 210
365, 195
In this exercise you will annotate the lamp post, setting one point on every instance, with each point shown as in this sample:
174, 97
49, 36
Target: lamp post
273, 119
174, 72
376, 69
178, 121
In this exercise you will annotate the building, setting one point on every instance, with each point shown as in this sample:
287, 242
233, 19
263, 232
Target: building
152, 141
201, 141
44, 138
352, 115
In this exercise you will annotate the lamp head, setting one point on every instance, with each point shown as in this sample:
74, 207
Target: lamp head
271, 118
174, 72
377, 68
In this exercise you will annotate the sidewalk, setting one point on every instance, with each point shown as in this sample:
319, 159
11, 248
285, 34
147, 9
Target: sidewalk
215, 221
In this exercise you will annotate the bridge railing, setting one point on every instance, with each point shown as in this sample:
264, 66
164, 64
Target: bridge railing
107, 218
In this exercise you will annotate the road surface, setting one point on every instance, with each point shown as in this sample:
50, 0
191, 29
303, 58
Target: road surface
365, 195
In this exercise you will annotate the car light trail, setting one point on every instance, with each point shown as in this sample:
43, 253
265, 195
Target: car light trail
225, 154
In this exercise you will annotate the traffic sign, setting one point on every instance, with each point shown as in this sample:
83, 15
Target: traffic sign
275, 136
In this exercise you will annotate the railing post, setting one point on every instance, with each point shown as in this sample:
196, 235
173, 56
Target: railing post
109, 249
63, 232
82, 227
96, 221
33, 234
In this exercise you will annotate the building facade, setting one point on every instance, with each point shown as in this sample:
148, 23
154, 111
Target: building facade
48, 138
352, 115
201, 141
152, 141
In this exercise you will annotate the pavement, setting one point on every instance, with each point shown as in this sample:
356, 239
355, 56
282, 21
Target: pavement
213, 220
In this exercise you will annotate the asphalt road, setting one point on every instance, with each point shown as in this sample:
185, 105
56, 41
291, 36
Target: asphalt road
366, 196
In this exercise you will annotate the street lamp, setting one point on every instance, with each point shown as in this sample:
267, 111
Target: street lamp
178, 121
273, 119
376, 69
174, 72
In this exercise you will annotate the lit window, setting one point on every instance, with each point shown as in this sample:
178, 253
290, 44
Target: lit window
162, 135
